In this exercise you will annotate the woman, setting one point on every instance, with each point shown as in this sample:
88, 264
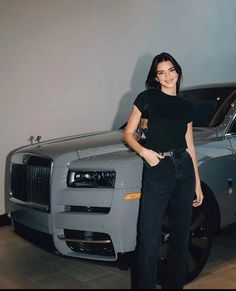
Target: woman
170, 172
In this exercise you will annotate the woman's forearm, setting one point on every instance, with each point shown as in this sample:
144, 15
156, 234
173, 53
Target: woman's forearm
193, 155
133, 143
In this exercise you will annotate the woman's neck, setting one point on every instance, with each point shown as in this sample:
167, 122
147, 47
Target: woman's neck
169, 91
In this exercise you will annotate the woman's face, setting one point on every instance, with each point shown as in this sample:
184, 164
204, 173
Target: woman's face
167, 75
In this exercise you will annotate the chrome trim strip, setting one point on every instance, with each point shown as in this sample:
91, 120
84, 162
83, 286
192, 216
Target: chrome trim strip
84, 240
29, 204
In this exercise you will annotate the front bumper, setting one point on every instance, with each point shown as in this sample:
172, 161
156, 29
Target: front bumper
89, 235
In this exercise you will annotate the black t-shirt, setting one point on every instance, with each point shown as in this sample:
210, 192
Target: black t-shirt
167, 119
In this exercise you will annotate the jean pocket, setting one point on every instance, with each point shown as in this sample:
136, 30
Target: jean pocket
146, 164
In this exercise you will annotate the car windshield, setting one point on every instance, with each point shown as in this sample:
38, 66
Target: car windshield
223, 110
206, 102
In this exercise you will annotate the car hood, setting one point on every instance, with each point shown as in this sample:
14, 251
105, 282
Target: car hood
79, 146
64, 150
202, 134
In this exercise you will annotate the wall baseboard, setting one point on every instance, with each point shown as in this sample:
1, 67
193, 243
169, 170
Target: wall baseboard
4, 220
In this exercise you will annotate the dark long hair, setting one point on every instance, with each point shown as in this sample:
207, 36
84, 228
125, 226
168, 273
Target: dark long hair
151, 81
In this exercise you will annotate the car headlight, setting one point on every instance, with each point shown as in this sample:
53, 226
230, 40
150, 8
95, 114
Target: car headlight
91, 179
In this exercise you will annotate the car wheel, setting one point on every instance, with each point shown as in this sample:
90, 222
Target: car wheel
200, 243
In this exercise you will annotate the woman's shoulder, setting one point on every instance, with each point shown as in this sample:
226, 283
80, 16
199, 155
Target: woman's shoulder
143, 99
149, 92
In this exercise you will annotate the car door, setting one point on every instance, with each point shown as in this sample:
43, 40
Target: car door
231, 137
228, 171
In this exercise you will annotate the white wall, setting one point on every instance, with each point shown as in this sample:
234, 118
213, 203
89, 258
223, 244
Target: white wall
75, 66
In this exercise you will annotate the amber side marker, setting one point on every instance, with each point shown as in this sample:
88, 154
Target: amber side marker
134, 195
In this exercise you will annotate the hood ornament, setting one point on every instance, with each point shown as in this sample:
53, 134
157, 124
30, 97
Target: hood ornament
38, 139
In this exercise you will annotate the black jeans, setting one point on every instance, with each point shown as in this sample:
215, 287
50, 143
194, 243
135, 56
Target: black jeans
171, 181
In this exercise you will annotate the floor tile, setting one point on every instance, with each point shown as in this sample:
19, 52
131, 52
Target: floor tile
60, 281
109, 281
24, 265
15, 281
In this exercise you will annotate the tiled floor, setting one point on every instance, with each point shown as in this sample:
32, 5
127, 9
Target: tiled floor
24, 265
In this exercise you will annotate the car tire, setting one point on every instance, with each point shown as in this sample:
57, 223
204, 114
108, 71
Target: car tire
200, 243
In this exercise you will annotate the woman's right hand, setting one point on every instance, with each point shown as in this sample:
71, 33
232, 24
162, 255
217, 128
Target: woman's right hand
151, 157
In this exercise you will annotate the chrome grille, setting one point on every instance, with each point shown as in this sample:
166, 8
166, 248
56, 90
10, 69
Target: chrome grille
30, 183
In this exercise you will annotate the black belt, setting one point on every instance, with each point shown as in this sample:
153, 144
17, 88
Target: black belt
173, 153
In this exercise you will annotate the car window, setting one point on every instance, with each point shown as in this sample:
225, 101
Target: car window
233, 127
223, 110
206, 101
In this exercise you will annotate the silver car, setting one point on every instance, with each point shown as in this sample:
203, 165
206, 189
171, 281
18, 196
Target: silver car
81, 193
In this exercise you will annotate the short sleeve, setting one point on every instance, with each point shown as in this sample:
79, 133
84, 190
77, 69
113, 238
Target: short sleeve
189, 112
141, 103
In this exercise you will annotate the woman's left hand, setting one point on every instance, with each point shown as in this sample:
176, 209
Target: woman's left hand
199, 199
